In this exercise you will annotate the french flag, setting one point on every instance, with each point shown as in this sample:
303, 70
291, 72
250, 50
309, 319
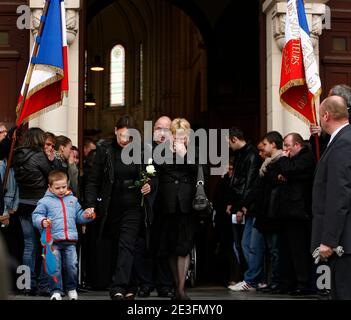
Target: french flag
49, 77
300, 83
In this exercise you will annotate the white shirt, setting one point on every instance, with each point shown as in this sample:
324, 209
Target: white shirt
336, 132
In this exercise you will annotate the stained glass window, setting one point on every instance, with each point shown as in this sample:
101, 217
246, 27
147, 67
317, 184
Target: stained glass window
117, 83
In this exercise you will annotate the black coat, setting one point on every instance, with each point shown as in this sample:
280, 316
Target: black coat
31, 167
177, 184
295, 195
101, 181
331, 195
247, 163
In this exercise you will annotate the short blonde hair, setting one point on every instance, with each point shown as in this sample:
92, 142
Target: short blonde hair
180, 124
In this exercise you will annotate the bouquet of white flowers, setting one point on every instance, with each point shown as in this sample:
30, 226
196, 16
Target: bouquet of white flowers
145, 177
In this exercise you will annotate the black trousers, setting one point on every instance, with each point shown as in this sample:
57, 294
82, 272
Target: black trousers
152, 271
126, 223
296, 260
340, 268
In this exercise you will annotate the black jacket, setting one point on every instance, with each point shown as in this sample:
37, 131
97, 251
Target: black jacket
331, 195
31, 167
177, 184
295, 195
267, 199
247, 163
101, 181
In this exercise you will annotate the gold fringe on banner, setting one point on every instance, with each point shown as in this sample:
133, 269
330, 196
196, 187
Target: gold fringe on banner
292, 83
42, 111
53, 79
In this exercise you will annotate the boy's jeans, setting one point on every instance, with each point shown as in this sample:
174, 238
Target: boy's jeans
66, 259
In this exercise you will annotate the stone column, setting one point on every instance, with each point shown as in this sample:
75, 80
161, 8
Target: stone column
278, 117
62, 120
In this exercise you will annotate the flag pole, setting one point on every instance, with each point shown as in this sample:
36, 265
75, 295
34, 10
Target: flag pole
25, 90
34, 54
316, 137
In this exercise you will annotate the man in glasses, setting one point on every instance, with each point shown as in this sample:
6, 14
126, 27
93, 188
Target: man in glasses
153, 271
162, 129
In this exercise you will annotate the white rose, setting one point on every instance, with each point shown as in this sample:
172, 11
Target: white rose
149, 161
150, 169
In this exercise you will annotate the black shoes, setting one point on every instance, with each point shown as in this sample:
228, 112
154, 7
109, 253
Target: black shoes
30, 292
274, 289
44, 293
165, 293
300, 292
144, 292
82, 289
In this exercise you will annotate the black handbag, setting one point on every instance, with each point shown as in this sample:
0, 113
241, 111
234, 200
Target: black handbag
201, 203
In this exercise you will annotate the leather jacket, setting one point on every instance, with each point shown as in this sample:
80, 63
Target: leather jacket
246, 167
31, 167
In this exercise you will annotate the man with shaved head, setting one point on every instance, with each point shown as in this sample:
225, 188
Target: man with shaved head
331, 196
341, 90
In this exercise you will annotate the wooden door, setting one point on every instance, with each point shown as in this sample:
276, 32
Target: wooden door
14, 56
335, 47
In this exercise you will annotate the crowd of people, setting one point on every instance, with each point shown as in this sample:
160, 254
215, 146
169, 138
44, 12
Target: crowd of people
142, 235
288, 205
275, 205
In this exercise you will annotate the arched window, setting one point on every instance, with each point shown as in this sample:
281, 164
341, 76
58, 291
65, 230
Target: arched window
117, 83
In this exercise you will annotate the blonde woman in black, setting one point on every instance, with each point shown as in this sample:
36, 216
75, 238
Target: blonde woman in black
177, 181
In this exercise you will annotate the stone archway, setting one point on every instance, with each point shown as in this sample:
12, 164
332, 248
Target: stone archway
174, 53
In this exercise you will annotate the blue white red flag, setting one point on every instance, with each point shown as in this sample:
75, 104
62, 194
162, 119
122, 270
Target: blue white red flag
300, 84
49, 254
50, 74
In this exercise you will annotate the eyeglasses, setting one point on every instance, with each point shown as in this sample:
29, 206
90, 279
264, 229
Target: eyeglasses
160, 128
3, 131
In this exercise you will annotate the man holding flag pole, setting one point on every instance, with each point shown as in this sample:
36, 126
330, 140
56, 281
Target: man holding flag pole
300, 84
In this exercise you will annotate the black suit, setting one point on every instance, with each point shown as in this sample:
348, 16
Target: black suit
331, 208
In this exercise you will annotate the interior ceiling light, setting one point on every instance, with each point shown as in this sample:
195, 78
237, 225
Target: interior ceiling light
90, 101
97, 65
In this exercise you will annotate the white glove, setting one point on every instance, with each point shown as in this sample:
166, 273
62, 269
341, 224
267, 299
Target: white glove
339, 250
